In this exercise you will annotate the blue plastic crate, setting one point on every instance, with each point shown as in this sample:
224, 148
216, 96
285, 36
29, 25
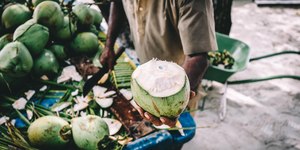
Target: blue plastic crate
163, 140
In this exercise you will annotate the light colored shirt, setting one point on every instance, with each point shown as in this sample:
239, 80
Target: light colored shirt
171, 29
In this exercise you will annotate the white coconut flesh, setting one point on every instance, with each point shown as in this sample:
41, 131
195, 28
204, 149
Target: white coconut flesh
160, 78
161, 88
126, 93
114, 125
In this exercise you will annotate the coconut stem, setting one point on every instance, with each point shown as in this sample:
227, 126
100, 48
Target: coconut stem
186, 128
71, 87
66, 132
23, 118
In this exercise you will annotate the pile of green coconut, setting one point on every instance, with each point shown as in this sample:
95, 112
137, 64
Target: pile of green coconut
52, 132
36, 39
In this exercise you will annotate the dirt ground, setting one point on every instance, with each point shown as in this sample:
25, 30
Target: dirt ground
261, 115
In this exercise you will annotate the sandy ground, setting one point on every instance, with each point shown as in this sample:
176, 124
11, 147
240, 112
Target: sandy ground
261, 115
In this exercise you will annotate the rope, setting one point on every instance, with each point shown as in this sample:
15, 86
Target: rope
264, 79
274, 54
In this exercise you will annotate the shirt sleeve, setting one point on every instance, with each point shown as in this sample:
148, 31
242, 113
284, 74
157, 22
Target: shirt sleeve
196, 26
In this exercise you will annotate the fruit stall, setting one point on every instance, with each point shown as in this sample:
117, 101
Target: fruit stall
48, 51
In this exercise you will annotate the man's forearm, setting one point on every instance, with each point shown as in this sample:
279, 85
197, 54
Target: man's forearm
195, 66
116, 21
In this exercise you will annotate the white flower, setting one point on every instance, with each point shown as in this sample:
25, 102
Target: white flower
81, 103
81, 99
83, 114
69, 73
127, 94
29, 94
80, 106
3, 120
113, 125
43, 88
20, 103
74, 93
29, 114
99, 91
104, 102
13, 122
108, 94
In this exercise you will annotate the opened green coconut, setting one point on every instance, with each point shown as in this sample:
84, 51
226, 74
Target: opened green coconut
66, 32
46, 64
161, 88
15, 15
5, 39
49, 14
37, 2
84, 14
89, 131
16, 60
85, 43
34, 36
49, 132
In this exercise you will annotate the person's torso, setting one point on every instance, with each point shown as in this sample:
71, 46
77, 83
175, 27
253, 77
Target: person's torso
153, 24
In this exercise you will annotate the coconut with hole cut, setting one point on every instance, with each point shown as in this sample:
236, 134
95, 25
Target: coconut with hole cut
161, 88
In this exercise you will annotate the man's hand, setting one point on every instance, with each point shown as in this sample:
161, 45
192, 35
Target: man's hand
108, 57
162, 120
116, 18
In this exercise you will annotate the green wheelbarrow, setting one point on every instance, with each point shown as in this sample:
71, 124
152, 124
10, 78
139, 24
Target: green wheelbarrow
240, 51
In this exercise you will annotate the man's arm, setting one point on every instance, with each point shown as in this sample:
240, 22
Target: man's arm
195, 66
116, 21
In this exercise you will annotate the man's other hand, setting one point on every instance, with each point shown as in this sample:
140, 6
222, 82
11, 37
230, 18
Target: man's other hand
108, 58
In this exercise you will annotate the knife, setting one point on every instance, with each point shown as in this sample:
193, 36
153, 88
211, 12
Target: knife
91, 82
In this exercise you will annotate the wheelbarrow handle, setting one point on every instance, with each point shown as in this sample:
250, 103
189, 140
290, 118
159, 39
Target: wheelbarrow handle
275, 54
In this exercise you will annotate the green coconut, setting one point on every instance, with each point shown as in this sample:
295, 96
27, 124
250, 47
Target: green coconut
161, 88
15, 15
85, 43
49, 132
66, 32
16, 60
46, 64
97, 17
49, 14
58, 51
37, 2
34, 36
5, 39
84, 14
89, 131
